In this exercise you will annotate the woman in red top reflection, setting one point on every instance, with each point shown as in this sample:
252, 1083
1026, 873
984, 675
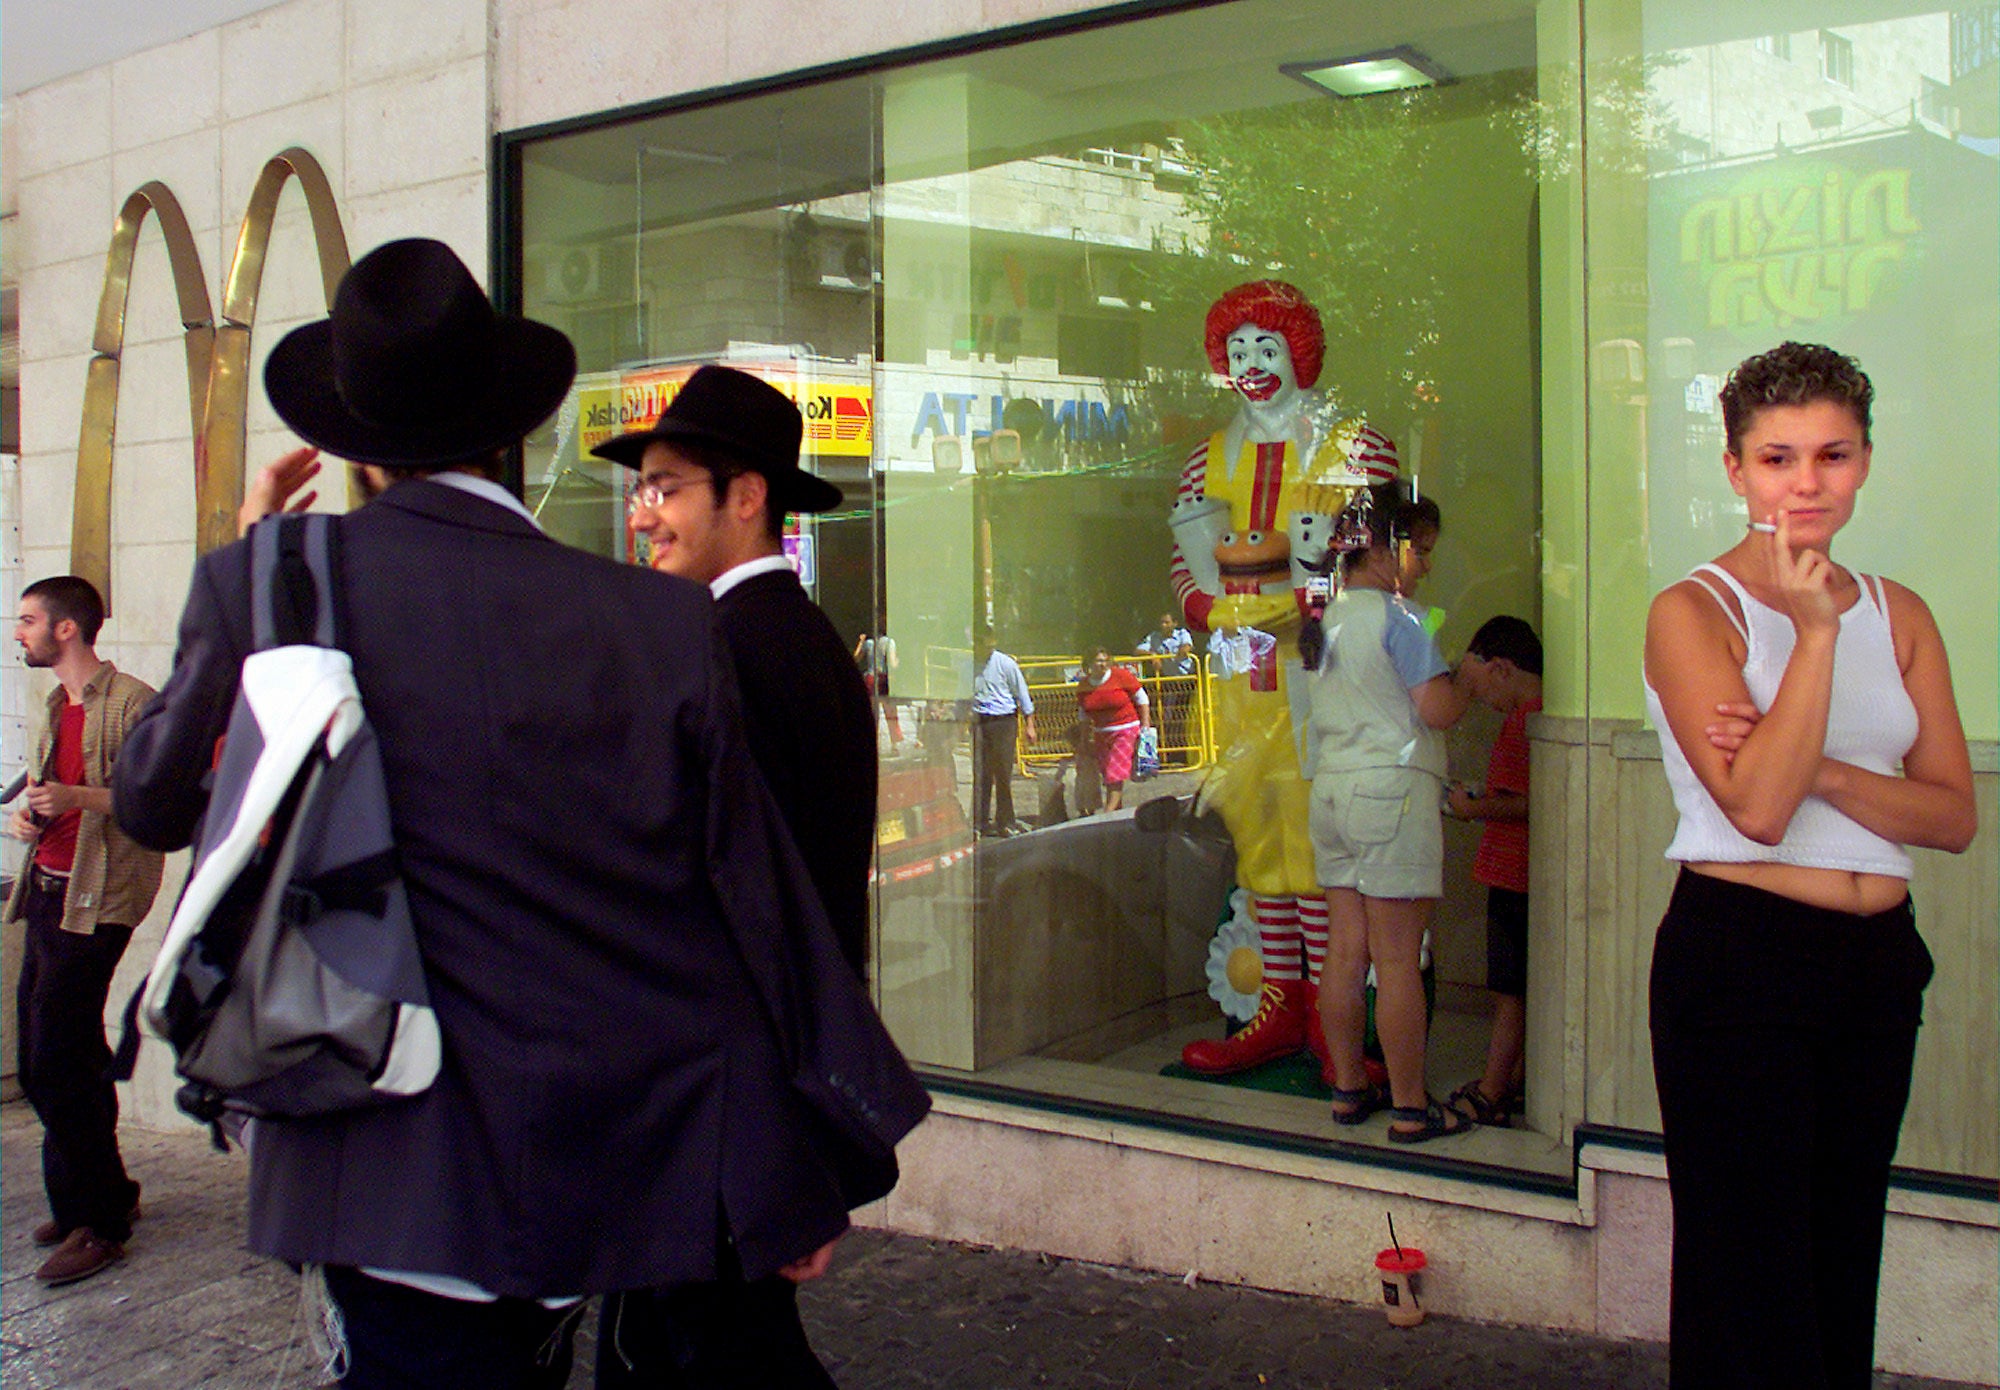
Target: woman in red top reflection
1115, 703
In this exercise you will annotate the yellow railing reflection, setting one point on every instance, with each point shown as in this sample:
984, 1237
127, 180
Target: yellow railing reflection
218, 357
1178, 705
1183, 706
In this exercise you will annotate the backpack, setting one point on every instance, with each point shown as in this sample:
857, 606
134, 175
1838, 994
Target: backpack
289, 982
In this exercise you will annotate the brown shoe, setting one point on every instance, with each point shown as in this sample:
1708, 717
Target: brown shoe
81, 1255
50, 1233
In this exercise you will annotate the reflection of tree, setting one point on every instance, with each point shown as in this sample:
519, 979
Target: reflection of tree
1331, 195
1630, 125
1354, 201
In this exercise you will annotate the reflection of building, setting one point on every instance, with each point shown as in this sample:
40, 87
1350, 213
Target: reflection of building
1006, 216
1793, 90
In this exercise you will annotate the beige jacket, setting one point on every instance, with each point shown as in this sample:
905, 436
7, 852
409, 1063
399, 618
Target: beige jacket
113, 879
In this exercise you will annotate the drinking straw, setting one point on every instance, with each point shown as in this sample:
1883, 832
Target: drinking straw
1392, 1234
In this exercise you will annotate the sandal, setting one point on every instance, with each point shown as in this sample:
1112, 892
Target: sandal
1352, 1107
1470, 1101
1437, 1120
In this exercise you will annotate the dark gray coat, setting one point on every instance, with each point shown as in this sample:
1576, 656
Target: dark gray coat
812, 731
644, 1046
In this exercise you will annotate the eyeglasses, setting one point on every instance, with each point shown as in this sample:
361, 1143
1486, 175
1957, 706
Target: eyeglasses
649, 495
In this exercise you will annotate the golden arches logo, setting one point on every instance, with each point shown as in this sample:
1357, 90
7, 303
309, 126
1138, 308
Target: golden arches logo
218, 354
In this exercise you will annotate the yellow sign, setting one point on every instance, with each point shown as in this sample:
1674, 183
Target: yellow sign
839, 416
840, 419
632, 402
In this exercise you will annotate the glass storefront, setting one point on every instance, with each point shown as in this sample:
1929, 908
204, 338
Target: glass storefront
1536, 236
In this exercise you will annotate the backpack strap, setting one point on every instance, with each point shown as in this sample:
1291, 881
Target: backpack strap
361, 886
293, 598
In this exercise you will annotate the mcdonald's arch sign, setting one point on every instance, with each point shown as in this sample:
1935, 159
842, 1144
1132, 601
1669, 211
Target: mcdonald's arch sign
218, 353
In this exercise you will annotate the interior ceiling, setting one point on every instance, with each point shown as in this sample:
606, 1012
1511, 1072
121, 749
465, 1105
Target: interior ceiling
1112, 84
1115, 83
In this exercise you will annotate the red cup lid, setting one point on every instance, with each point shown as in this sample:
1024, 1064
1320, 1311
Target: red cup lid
1408, 1261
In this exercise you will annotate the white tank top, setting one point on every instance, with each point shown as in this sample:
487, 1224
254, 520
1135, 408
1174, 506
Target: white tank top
1871, 723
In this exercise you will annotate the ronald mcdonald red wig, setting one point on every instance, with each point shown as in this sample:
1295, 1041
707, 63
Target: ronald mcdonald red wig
1275, 307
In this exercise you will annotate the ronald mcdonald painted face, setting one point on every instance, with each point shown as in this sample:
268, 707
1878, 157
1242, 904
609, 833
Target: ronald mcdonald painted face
1260, 364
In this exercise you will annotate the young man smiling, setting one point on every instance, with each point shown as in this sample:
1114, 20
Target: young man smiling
718, 471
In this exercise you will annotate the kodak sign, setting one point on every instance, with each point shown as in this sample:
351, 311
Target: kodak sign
839, 416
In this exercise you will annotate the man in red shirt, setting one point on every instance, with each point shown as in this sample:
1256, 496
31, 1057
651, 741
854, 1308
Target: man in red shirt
1503, 668
85, 886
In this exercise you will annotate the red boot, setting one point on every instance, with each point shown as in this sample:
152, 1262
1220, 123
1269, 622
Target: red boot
1278, 1029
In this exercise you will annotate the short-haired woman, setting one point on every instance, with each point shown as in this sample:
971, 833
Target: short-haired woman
1809, 734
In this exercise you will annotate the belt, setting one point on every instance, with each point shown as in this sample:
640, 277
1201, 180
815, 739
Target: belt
40, 880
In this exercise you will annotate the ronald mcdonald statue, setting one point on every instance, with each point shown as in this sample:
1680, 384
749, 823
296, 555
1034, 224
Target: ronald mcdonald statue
1254, 514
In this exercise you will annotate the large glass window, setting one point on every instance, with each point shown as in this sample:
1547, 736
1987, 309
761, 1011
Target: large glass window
1852, 201
987, 278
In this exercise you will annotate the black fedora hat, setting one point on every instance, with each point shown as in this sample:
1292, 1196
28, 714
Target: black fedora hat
745, 417
413, 368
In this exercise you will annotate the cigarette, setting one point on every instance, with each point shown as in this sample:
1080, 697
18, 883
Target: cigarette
1768, 528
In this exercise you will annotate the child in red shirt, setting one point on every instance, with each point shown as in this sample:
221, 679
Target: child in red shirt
1503, 669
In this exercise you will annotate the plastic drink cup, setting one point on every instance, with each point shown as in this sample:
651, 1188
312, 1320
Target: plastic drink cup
1398, 1270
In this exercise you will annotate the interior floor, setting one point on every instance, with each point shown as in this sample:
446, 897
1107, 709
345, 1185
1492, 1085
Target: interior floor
1121, 1064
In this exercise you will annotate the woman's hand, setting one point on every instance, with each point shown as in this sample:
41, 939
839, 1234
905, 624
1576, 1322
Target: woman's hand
1758, 771
1733, 723
1804, 581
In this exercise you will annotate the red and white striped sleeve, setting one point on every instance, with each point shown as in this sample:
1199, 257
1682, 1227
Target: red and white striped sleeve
1374, 453
1194, 604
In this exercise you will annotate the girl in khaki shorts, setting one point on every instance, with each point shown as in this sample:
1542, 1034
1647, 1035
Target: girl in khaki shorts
1381, 691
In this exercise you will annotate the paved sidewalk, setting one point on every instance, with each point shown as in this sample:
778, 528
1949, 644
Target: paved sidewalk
189, 1308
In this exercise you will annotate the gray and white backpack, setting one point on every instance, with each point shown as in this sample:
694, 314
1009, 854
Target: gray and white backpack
289, 982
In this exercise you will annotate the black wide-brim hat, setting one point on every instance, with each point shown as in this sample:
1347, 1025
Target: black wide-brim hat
413, 369
745, 417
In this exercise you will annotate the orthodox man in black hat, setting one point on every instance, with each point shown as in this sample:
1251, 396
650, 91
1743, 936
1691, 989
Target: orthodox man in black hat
718, 471
658, 1072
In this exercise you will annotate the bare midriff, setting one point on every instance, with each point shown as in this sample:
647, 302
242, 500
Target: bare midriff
1838, 890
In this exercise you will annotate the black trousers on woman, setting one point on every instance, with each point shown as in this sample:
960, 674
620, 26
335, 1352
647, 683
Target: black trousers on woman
1783, 1037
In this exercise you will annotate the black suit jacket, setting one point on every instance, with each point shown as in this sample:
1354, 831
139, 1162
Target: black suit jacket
603, 898
812, 731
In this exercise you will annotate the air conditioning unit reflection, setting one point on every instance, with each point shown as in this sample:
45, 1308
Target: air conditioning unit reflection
823, 258
573, 275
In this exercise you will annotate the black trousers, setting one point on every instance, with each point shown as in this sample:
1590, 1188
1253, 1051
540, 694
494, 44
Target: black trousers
1783, 1038
727, 1335
400, 1338
993, 769
65, 979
